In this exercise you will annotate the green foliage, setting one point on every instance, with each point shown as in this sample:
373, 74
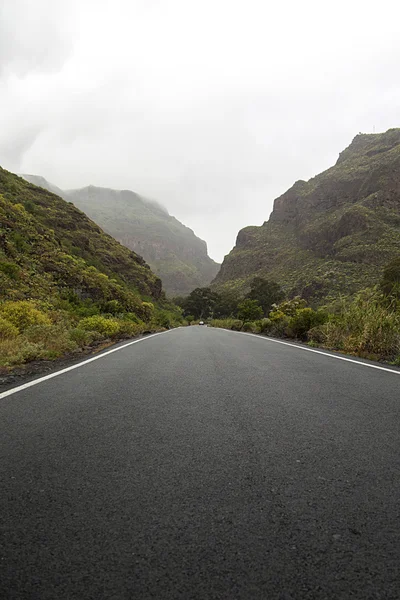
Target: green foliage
10, 269
249, 310
19, 351
367, 326
390, 282
23, 314
8, 331
58, 292
200, 303
250, 327
234, 324
102, 325
304, 320
330, 236
266, 293
288, 308
190, 319
226, 304
66, 252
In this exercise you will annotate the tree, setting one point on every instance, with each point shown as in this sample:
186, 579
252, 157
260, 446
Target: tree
226, 304
249, 310
200, 303
266, 293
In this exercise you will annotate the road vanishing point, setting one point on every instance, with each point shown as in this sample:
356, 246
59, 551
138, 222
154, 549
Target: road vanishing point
202, 464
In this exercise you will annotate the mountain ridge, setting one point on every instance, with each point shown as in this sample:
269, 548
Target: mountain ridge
172, 249
330, 235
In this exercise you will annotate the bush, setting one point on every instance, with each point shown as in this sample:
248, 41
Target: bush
366, 326
112, 307
147, 310
304, 320
55, 340
234, 324
23, 314
317, 335
82, 337
249, 310
249, 326
19, 351
288, 307
8, 331
264, 325
129, 329
104, 326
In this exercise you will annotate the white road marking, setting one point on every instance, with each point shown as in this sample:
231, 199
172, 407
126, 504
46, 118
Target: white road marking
72, 367
352, 360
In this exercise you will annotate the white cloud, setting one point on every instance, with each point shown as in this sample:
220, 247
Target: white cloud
214, 108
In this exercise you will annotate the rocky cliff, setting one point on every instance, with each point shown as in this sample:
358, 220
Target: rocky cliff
332, 234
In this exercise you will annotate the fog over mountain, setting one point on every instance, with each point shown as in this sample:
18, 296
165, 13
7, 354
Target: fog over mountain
214, 108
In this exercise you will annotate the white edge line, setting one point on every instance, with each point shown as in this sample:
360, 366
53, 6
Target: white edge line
352, 360
81, 364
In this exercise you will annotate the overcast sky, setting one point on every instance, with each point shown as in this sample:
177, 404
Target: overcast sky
213, 107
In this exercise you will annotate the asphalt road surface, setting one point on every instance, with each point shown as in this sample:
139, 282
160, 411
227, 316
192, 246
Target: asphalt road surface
203, 464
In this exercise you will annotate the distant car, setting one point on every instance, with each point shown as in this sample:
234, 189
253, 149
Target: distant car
201, 323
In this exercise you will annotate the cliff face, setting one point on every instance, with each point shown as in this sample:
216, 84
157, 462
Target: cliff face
332, 234
172, 250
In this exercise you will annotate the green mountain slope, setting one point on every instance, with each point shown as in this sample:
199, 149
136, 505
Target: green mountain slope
50, 250
172, 250
332, 234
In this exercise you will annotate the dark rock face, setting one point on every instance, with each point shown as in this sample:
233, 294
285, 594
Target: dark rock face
332, 234
172, 250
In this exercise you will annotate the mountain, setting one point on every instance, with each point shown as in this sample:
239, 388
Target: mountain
331, 235
51, 251
172, 250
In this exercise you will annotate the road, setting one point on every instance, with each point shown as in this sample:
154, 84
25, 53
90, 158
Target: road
202, 464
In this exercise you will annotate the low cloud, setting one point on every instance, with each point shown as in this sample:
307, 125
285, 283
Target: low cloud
213, 108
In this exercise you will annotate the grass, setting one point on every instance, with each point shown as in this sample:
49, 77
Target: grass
367, 326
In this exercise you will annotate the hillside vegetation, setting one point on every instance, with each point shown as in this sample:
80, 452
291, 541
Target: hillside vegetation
331, 235
172, 250
64, 283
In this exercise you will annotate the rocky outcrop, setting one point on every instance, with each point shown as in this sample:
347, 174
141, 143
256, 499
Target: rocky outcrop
332, 234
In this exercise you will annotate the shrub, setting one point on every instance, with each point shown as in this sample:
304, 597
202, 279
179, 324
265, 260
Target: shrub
23, 314
249, 310
19, 351
366, 326
236, 325
304, 320
113, 307
54, 339
147, 310
8, 331
82, 337
265, 325
233, 324
10, 269
129, 329
249, 326
317, 335
104, 326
